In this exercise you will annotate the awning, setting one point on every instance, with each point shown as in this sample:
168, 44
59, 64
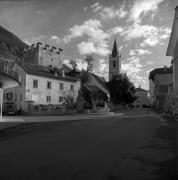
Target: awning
7, 81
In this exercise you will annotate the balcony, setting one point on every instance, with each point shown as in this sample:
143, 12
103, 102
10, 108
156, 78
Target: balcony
8, 77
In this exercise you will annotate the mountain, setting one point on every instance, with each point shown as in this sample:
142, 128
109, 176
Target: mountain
11, 47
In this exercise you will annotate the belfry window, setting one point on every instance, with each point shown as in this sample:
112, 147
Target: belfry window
114, 63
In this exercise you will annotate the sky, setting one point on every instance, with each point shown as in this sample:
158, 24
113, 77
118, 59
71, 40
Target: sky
82, 27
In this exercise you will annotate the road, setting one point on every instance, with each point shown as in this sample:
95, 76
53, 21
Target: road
137, 145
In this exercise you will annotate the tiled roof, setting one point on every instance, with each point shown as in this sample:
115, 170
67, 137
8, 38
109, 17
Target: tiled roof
164, 70
140, 90
94, 79
46, 72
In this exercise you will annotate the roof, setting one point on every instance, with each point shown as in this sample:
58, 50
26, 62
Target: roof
46, 72
94, 80
114, 50
164, 70
140, 90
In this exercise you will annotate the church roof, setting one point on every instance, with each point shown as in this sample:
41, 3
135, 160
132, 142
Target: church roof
114, 49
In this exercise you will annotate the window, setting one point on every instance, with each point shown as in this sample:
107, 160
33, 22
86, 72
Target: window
48, 99
48, 85
61, 86
114, 63
35, 83
9, 96
72, 87
61, 99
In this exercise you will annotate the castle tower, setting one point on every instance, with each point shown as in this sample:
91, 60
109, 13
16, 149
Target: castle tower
114, 61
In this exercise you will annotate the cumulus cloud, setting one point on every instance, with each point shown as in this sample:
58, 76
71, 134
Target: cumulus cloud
143, 7
92, 47
96, 7
81, 64
55, 39
103, 69
133, 69
151, 35
116, 30
139, 52
109, 12
97, 39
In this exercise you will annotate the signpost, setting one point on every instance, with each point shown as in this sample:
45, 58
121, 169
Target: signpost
1, 102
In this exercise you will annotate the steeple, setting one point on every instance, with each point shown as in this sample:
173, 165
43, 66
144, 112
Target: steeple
114, 49
114, 61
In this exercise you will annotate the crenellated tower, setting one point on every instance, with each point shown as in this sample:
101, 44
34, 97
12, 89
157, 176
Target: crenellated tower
114, 61
43, 54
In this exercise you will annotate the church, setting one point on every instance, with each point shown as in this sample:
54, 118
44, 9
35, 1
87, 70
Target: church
114, 61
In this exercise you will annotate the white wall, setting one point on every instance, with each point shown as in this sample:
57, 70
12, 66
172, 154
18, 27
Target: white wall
39, 95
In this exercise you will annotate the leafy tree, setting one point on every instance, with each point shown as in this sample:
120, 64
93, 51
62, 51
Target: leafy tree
73, 63
122, 90
89, 60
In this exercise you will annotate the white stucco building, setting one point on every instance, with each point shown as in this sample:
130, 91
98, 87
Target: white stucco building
142, 98
39, 85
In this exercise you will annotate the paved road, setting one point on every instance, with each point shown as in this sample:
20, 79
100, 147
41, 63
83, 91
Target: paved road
136, 145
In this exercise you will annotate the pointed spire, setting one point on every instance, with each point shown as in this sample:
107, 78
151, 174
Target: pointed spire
114, 50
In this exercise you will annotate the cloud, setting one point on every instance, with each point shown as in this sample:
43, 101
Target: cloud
40, 12
151, 35
96, 7
139, 52
133, 69
109, 12
35, 39
55, 39
103, 69
143, 7
85, 8
81, 64
97, 39
92, 47
116, 30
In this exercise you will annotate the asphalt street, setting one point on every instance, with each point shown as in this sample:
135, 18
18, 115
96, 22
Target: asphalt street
138, 144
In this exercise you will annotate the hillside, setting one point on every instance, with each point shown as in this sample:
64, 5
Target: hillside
11, 47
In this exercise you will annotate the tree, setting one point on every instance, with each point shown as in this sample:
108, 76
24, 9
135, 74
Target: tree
73, 63
122, 90
89, 60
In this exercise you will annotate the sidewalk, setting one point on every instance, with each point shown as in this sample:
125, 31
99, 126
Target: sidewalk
10, 121
7, 122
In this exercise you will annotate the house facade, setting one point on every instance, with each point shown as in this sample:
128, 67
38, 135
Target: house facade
142, 98
39, 86
160, 83
8, 78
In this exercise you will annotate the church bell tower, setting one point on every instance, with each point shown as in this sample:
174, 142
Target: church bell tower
114, 61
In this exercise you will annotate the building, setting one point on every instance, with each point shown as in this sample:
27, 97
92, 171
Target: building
40, 86
142, 98
43, 55
114, 61
43, 80
172, 50
160, 83
8, 78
